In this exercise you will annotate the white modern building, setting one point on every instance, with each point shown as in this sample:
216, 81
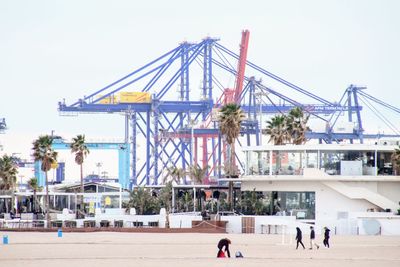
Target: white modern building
353, 188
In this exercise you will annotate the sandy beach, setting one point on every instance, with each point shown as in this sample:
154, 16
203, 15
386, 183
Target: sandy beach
186, 249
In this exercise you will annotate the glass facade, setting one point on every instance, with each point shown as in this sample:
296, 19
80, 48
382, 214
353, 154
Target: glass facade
110, 201
279, 203
5, 205
287, 162
384, 164
61, 201
258, 163
333, 162
299, 204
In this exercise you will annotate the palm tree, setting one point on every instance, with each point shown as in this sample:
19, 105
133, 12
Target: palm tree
277, 130
197, 174
185, 201
81, 151
396, 160
252, 204
284, 129
292, 128
297, 125
175, 174
142, 200
43, 152
33, 184
230, 120
165, 199
8, 176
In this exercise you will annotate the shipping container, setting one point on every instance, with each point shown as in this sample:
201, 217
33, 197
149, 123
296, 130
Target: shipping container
134, 97
107, 100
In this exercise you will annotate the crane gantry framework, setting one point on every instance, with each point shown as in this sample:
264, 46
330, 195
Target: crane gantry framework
3, 125
174, 118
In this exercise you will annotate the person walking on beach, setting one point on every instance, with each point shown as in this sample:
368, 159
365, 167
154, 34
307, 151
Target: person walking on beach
299, 237
221, 244
326, 237
312, 238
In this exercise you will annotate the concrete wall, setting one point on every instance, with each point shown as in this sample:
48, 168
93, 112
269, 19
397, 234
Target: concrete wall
234, 224
377, 223
128, 220
262, 223
391, 190
364, 223
182, 221
372, 186
389, 226
274, 223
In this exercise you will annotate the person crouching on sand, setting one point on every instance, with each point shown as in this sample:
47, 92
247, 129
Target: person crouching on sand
223, 243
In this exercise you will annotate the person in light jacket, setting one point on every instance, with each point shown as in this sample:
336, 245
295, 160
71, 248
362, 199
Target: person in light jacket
312, 238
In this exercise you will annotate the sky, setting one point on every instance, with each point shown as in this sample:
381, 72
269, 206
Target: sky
53, 50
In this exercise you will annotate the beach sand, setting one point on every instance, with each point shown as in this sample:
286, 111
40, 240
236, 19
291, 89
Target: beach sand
113, 249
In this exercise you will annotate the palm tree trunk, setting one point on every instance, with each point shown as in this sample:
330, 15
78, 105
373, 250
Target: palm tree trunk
230, 193
231, 172
34, 201
47, 202
167, 220
82, 188
6, 204
13, 200
232, 159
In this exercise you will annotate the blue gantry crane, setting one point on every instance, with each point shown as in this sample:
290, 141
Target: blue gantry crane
175, 119
123, 150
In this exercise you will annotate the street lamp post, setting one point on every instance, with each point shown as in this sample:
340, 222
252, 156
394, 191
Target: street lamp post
20, 182
192, 123
161, 137
260, 122
99, 165
191, 146
259, 98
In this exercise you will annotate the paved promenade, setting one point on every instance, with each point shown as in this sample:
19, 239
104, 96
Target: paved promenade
100, 249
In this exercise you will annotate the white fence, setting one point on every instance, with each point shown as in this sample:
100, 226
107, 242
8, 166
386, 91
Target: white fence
354, 224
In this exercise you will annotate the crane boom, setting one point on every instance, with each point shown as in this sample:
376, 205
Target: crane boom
241, 65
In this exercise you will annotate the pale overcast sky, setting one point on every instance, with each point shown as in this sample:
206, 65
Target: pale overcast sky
53, 50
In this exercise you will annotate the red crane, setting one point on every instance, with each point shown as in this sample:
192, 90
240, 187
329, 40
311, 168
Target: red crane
229, 96
241, 65
233, 95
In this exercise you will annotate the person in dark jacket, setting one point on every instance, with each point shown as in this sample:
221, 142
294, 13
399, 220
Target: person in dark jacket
299, 237
223, 243
312, 238
326, 237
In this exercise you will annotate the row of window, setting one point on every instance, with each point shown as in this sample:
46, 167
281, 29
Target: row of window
355, 163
